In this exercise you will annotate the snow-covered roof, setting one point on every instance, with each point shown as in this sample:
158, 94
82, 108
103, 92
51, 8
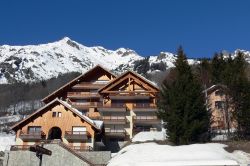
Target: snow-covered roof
214, 87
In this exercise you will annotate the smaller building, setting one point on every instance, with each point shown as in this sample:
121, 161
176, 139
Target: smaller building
57, 120
219, 104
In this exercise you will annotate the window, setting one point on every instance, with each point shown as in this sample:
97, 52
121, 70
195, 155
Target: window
34, 129
59, 114
53, 114
56, 114
219, 104
79, 130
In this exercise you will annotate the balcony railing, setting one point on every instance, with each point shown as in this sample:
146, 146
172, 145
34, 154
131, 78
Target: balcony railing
114, 119
80, 105
31, 136
77, 135
113, 107
146, 119
89, 85
138, 107
129, 95
115, 132
83, 95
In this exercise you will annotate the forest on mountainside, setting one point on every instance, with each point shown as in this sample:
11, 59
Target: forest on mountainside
15, 97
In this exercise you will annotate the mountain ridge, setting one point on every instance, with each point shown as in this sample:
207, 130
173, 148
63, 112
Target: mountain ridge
33, 63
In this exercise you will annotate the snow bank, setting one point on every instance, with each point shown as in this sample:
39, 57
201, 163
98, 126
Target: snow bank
149, 136
6, 140
153, 154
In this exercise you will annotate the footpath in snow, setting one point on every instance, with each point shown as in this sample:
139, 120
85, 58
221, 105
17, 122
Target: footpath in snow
153, 154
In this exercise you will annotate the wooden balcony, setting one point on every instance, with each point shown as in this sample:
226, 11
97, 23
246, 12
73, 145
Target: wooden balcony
130, 95
31, 136
114, 107
146, 120
76, 135
89, 85
114, 119
84, 105
115, 132
144, 107
83, 95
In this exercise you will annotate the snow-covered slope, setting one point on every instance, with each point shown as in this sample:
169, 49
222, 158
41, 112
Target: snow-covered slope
146, 154
33, 63
41, 62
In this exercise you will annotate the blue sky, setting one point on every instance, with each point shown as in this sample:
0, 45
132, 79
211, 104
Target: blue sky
202, 27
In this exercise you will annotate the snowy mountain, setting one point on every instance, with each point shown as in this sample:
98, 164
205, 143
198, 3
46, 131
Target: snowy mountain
33, 63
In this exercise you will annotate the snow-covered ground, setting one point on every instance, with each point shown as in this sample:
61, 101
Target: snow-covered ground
11, 118
6, 140
144, 153
159, 155
149, 136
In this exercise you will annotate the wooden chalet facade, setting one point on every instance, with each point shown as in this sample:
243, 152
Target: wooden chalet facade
57, 120
218, 103
129, 106
124, 105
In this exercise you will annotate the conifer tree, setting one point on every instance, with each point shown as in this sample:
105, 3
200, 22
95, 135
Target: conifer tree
182, 105
239, 86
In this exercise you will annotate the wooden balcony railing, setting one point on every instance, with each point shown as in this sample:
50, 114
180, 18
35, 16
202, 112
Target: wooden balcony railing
114, 119
129, 95
83, 95
77, 135
89, 85
146, 119
80, 105
115, 132
32, 136
112, 105
144, 105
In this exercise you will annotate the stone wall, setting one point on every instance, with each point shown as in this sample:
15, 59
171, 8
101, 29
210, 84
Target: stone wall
59, 157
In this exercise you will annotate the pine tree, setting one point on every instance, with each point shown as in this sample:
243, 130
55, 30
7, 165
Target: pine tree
182, 105
239, 86
218, 67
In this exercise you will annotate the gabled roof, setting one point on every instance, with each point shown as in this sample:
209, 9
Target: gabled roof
214, 87
74, 81
114, 82
65, 104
